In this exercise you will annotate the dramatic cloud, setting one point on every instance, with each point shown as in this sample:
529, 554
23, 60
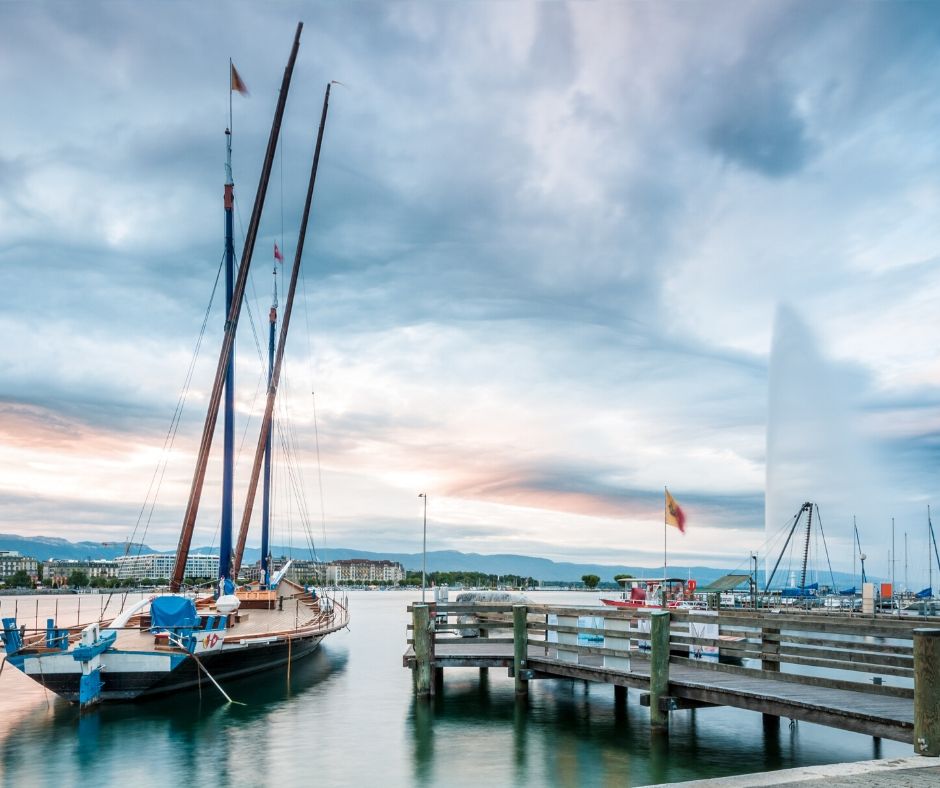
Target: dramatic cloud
548, 246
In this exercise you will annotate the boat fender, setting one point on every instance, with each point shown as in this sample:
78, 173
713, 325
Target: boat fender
227, 603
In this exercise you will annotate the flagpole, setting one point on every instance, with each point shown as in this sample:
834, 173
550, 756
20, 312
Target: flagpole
665, 532
230, 95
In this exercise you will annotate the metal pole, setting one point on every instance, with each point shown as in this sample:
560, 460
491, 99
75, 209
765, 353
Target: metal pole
665, 532
424, 546
893, 557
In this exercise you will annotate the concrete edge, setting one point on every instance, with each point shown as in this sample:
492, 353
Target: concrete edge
783, 776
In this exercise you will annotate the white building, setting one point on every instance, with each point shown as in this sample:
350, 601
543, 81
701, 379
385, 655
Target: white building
159, 566
361, 570
56, 571
12, 562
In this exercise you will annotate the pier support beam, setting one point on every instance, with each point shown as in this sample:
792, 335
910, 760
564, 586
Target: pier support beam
927, 692
659, 668
424, 652
770, 645
520, 647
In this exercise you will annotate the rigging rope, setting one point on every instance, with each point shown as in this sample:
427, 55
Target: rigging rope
170, 437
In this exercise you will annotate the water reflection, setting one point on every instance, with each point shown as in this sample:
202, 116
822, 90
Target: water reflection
349, 717
566, 734
184, 735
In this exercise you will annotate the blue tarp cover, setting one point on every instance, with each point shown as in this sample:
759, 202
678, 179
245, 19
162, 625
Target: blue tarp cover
173, 611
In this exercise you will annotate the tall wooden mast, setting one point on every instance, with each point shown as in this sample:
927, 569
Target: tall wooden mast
279, 357
202, 460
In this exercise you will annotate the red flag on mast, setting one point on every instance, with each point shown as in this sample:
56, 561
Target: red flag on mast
238, 84
277, 254
674, 514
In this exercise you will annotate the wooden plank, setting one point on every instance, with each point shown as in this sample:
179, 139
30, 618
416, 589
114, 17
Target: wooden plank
868, 725
884, 648
850, 656
552, 668
837, 665
799, 678
593, 650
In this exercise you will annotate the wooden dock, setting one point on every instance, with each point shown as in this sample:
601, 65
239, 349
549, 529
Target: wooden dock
853, 672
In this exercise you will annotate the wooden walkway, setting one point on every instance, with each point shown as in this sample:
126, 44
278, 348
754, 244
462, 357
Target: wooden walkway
882, 708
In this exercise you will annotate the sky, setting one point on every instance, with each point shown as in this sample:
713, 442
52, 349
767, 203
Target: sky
560, 257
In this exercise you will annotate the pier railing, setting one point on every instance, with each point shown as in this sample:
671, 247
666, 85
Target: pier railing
874, 654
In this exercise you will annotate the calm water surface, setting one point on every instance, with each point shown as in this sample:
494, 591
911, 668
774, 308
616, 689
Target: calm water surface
347, 717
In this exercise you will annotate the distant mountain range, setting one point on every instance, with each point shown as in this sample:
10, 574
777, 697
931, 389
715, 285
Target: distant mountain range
44, 547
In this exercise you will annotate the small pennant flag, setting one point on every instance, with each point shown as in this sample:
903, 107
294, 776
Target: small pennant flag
674, 514
238, 84
277, 254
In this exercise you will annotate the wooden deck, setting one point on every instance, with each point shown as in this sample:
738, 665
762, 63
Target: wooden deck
877, 699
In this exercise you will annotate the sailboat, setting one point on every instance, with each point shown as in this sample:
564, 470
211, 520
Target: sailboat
182, 639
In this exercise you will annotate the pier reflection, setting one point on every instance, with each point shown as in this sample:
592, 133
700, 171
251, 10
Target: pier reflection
566, 733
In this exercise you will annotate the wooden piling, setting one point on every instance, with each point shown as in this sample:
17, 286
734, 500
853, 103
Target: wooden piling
927, 692
770, 645
659, 668
423, 649
520, 646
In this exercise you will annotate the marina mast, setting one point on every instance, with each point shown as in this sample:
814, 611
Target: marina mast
266, 492
225, 354
281, 342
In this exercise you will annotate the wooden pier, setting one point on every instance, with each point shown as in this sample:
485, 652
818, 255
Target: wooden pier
877, 675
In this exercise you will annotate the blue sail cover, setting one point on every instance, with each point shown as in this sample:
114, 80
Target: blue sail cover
848, 592
800, 593
170, 612
925, 593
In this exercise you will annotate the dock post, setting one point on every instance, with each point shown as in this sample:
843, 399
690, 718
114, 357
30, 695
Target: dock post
927, 692
520, 646
659, 667
421, 620
770, 645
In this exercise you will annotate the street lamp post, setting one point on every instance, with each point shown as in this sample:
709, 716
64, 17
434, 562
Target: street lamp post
424, 546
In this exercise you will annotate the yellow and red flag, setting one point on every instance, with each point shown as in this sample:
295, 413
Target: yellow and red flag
238, 84
674, 514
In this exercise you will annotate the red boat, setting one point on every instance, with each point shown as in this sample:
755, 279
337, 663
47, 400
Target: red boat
678, 593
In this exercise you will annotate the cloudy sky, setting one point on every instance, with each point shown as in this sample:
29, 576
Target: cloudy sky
560, 256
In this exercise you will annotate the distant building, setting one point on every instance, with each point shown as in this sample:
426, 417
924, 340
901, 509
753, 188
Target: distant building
300, 571
159, 566
362, 570
56, 571
12, 562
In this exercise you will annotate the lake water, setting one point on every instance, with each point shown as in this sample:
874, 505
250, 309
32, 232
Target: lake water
348, 717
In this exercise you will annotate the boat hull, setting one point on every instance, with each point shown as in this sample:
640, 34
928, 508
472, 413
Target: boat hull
135, 675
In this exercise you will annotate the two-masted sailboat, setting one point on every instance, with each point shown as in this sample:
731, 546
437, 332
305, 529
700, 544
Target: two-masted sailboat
178, 640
